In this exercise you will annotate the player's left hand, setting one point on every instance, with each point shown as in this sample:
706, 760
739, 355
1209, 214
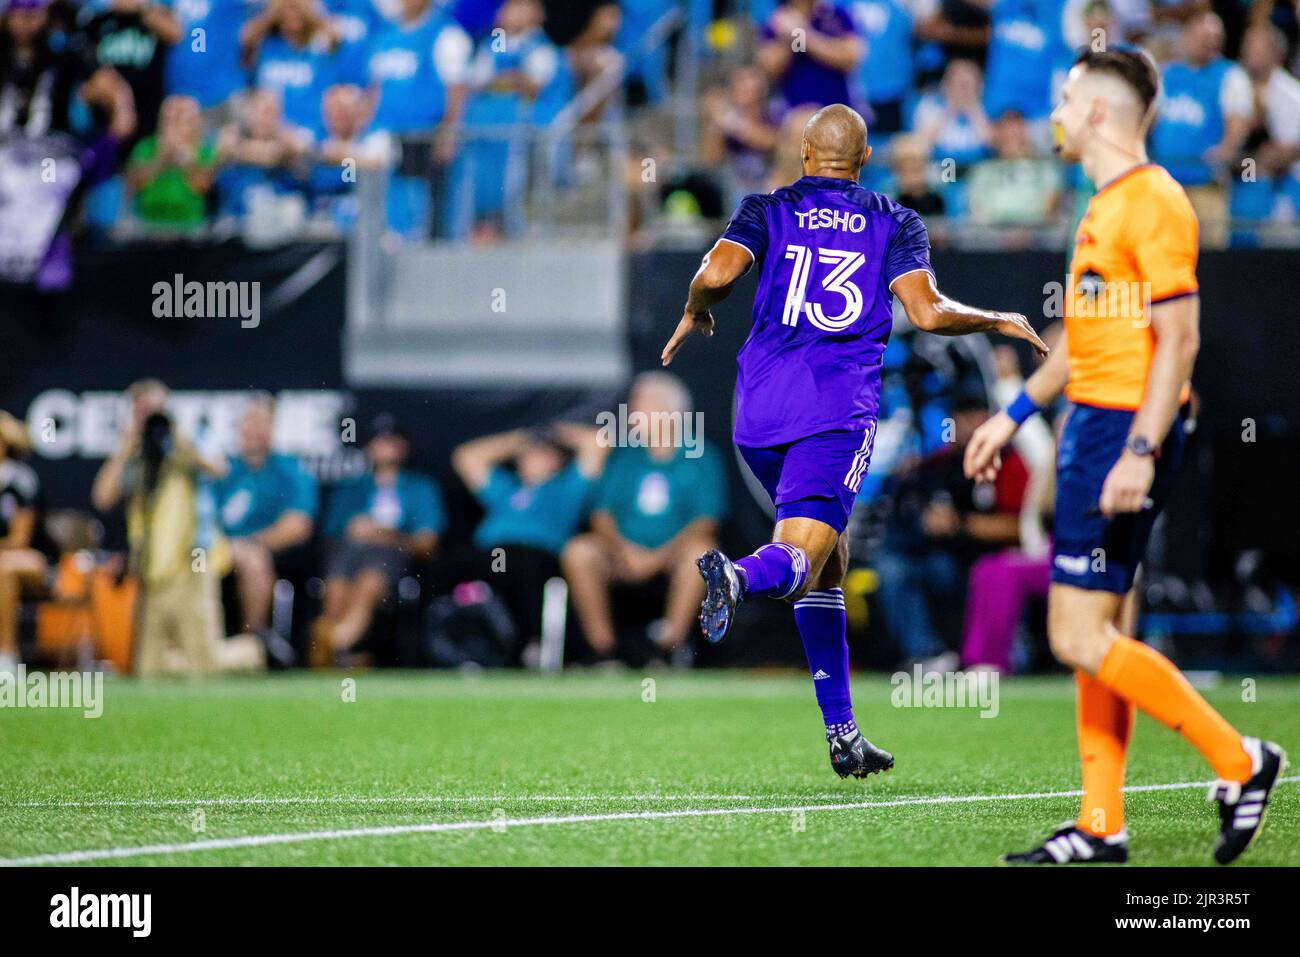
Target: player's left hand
1015, 326
1127, 485
983, 456
701, 322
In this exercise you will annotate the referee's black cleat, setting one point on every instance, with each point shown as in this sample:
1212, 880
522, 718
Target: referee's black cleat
1071, 845
1242, 806
852, 754
722, 595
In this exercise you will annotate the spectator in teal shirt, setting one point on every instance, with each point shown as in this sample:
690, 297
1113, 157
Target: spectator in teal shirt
535, 488
660, 501
267, 506
378, 523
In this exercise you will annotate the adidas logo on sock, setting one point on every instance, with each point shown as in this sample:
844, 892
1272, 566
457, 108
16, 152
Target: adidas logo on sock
820, 675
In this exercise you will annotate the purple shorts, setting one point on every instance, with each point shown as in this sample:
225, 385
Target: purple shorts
817, 477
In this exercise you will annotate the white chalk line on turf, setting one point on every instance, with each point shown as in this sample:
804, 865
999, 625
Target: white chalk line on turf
392, 830
344, 799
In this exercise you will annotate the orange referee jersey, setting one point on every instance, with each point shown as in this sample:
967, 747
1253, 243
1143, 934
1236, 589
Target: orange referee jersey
1135, 247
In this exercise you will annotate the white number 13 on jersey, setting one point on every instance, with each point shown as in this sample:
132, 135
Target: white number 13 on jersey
846, 263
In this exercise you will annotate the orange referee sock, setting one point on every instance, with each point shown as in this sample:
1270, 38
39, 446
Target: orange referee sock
1151, 681
1105, 723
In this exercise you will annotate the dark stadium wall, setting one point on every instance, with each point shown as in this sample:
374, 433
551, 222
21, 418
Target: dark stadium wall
1245, 378
68, 359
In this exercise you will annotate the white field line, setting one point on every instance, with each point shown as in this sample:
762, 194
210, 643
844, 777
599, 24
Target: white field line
262, 840
343, 799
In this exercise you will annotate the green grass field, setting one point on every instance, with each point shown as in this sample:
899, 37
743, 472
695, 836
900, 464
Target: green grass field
446, 769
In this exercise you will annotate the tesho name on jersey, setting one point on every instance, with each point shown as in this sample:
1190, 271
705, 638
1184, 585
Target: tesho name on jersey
831, 219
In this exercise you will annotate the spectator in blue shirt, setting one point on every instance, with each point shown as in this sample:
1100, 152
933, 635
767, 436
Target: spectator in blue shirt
809, 49
259, 154
350, 147
267, 506
293, 48
205, 64
418, 71
886, 72
953, 122
1205, 113
535, 488
378, 524
1026, 37
647, 68
660, 500
510, 70
354, 22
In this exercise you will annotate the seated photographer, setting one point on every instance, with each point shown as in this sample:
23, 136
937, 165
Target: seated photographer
177, 551
941, 524
267, 504
535, 487
379, 524
22, 567
657, 510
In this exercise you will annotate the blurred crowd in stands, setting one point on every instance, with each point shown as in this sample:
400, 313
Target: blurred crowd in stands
179, 117
213, 539
958, 94
264, 113
588, 535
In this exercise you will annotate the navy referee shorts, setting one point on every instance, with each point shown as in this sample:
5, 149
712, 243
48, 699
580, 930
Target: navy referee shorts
1090, 550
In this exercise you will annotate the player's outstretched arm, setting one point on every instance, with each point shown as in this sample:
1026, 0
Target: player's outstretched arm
931, 311
721, 267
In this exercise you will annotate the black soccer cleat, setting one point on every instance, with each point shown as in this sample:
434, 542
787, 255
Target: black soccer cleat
1242, 807
1071, 845
852, 754
722, 595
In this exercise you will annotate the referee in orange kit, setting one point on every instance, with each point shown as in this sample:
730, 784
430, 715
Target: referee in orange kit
1131, 317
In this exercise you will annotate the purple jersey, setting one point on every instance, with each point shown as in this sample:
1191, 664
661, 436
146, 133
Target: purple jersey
828, 253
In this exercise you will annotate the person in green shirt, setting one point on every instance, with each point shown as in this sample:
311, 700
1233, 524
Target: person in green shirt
657, 508
1016, 188
171, 172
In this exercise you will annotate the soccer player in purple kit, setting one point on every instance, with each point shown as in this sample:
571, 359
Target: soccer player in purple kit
831, 256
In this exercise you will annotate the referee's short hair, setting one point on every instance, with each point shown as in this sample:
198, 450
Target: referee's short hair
1135, 66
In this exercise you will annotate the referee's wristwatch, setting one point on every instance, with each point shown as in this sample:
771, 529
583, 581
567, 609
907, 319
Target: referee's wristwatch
1140, 445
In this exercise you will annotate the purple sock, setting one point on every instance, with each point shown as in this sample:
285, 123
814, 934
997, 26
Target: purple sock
777, 569
822, 624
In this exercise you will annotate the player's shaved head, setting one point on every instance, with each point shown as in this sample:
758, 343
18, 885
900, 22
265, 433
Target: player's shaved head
835, 142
